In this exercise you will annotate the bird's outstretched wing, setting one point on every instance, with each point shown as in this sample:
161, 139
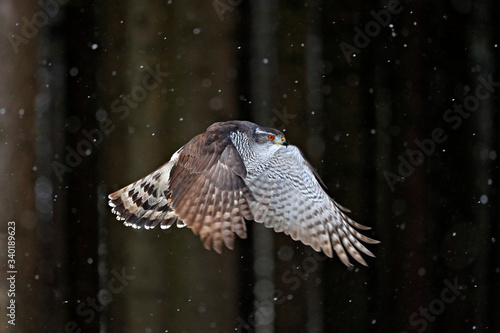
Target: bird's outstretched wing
147, 202
201, 187
288, 198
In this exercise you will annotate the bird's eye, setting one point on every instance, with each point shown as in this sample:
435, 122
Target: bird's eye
270, 137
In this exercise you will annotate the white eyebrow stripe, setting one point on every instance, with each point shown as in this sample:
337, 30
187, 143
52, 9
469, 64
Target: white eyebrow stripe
258, 131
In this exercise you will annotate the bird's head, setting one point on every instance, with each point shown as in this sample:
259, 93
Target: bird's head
269, 136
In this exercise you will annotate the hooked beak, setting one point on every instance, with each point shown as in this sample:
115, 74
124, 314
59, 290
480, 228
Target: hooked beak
283, 142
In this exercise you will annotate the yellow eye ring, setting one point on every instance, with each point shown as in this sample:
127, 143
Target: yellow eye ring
270, 137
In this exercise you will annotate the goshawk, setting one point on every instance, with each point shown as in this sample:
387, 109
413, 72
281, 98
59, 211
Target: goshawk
239, 171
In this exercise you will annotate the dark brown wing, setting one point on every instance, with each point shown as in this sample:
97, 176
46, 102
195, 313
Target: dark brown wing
208, 192
201, 186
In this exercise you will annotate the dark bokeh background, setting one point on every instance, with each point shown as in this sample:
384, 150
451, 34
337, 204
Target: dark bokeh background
395, 104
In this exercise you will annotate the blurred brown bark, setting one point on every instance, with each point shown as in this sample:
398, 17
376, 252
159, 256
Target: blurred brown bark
28, 187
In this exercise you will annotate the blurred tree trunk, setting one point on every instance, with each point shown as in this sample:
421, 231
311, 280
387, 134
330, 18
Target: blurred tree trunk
314, 71
481, 43
84, 135
18, 89
263, 69
408, 199
30, 112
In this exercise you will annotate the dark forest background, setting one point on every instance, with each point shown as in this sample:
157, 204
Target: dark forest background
395, 104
